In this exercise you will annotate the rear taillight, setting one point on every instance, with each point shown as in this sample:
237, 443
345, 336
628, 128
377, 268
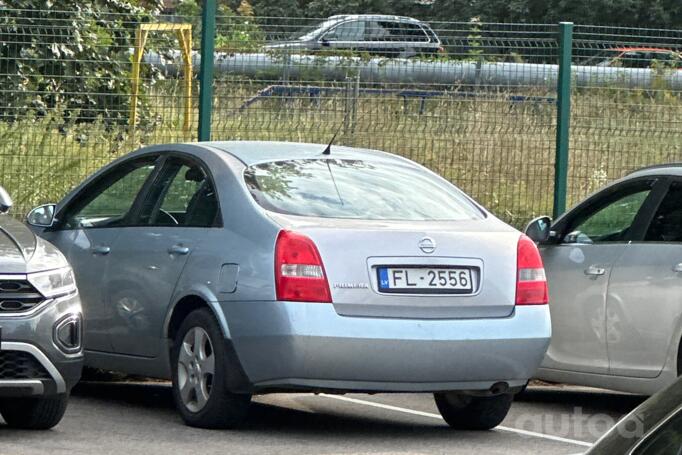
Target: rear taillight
299, 272
531, 283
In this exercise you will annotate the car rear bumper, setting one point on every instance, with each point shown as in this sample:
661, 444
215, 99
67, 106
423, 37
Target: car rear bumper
30, 362
286, 345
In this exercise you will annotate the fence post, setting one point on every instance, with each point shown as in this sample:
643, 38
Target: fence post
563, 119
206, 70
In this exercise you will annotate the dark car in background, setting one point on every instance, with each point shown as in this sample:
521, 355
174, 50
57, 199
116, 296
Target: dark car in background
654, 428
381, 35
41, 355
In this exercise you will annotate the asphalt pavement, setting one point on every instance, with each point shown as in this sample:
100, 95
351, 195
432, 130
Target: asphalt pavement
139, 418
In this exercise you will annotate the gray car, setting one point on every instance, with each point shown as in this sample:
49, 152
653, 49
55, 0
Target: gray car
240, 268
614, 265
381, 35
40, 327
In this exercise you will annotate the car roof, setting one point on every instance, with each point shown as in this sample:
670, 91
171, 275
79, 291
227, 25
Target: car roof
253, 152
658, 169
386, 17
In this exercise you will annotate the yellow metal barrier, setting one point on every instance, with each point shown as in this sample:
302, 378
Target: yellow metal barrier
184, 33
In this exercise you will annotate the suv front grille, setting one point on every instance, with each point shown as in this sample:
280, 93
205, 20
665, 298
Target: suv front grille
17, 296
21, 365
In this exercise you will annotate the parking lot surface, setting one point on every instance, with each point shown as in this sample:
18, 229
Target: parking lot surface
139, 418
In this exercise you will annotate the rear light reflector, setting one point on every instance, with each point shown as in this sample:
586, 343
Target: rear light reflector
299, 272
531, 282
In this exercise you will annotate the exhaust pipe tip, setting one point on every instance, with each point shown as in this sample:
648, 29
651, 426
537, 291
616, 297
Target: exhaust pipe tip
499, 388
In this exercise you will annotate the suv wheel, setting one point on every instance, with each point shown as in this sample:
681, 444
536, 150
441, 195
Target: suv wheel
465, 412
34, 413
199, 375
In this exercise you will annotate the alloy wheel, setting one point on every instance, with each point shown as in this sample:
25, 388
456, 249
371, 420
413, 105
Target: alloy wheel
196, 369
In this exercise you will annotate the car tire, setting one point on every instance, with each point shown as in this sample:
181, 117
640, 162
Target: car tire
34, 413
199, 373
465, 412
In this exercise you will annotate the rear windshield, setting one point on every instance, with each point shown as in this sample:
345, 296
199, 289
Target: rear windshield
355, 189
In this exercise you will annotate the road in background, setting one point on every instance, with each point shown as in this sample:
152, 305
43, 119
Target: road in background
139, 418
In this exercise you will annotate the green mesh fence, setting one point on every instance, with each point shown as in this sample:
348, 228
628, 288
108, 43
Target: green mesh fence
628, 113
475, 102
458, 104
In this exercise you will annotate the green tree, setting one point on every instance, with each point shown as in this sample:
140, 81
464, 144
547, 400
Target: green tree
72, 55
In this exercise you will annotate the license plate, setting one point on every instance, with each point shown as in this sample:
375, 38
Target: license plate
425, 280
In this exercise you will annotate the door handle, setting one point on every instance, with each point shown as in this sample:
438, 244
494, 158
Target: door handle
101, 250
178, 249
677, 268
593, 270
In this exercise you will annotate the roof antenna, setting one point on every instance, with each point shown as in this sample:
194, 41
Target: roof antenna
328, 149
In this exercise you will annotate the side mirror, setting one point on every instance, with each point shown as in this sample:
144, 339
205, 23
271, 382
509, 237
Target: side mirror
5, 201
539, 229
42, 216
324, 42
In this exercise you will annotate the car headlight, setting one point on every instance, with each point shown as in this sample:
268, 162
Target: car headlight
54, 283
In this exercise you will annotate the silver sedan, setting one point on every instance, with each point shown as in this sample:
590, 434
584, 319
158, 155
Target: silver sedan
614, 265
237, 268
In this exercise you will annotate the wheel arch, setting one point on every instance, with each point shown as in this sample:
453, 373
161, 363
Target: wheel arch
238, 381
184, 306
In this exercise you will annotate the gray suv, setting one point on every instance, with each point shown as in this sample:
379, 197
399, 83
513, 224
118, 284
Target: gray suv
386, 36
41, 354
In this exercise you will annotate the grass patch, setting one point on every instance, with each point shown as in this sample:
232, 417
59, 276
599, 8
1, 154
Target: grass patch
499, 151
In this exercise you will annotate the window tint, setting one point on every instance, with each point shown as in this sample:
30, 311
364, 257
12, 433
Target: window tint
347, 31
395, 31
666, 225
667, 440
611, 222
356, 189
183, 195
107, 202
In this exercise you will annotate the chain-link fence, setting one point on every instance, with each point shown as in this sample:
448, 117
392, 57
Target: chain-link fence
476, 102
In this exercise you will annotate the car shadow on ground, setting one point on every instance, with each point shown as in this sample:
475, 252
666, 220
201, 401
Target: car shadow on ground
326, 420
327, 417
590, 400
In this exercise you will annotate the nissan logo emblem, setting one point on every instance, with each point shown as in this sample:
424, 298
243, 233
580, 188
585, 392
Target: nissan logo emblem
427, 245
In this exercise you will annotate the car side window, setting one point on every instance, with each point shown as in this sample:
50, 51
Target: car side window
182, 195
399, 31
108, 201
666, 440
613, 218
666, 225
376, 32
413, 32
346, 31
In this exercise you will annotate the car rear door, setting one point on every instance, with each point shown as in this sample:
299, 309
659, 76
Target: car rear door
86, 230
592, 238
348, 35
147, 259
644, 309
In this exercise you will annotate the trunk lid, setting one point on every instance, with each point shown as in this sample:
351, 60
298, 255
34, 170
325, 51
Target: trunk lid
353, 250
